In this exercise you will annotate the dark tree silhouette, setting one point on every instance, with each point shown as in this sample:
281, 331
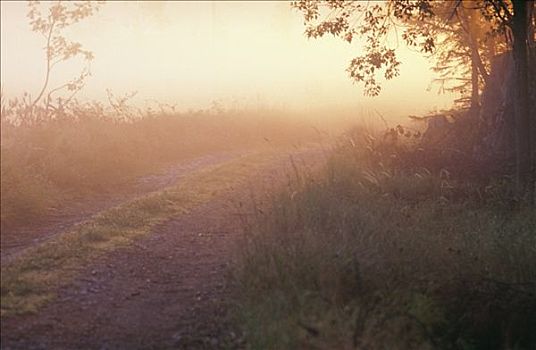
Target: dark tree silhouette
470, 33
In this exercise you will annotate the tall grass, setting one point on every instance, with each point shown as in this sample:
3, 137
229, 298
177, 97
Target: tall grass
370, 254
51, 159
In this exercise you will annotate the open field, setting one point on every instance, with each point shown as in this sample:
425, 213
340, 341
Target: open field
49, 166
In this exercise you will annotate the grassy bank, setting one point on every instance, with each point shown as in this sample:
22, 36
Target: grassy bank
48, 164
369, 254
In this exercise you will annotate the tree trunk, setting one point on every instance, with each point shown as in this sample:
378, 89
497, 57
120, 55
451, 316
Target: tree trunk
524, 154
471, 21
475, 98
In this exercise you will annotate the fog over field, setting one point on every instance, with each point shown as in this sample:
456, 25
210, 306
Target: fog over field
194, 53
268, 175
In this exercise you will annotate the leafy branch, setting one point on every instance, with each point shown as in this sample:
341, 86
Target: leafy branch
372, 22
50, 22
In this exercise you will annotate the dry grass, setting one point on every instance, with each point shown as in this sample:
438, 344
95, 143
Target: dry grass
49, 162
369, 254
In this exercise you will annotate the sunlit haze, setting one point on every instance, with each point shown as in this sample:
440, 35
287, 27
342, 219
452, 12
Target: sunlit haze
193, 53
212, 175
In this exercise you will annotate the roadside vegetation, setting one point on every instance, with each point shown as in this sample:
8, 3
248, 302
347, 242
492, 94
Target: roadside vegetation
32, 279
408, 238
56, 149
379, 251
49, 162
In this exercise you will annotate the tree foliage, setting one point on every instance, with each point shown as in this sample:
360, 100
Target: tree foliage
463, 37
50, 20
375, 23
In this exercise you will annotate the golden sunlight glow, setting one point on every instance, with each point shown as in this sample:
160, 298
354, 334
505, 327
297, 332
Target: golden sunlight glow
192, 53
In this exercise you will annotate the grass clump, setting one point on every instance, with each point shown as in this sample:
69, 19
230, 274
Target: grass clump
368, 254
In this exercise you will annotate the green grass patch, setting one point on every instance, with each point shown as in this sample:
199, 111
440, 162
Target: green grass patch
29, 282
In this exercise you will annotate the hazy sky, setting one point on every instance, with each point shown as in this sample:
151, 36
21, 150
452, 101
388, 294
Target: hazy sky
192, 53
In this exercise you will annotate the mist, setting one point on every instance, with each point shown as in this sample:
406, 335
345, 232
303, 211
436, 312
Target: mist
240, 54
268, 174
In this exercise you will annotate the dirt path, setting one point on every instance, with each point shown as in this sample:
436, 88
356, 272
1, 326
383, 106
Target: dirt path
169, 290
16, 240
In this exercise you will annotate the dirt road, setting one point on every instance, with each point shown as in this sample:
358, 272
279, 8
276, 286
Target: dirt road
167, 291
16, 240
